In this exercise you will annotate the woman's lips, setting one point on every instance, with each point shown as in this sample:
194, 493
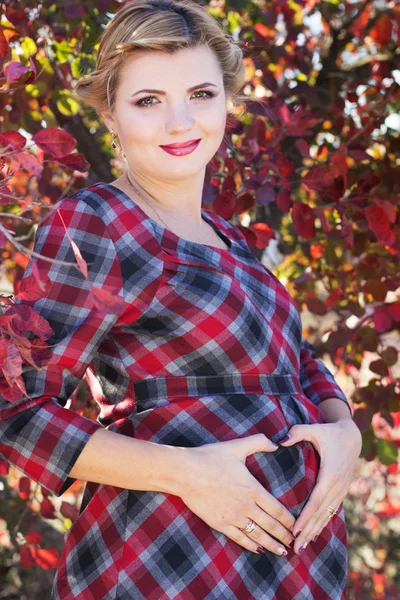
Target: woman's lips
181, 151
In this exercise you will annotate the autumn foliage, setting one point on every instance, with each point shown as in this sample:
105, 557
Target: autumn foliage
313, 170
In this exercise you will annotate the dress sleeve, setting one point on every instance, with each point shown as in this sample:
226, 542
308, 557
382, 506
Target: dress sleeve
317, 381
38, 435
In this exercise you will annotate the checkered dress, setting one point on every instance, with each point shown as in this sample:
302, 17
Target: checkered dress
208, 348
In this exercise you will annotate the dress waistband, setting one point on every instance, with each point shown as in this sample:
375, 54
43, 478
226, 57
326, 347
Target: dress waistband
209, 385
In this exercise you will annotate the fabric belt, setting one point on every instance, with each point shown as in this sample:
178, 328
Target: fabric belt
209, 385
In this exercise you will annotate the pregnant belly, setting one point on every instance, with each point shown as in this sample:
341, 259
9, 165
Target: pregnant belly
289, 473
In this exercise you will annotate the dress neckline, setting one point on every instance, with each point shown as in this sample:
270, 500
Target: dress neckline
170, 234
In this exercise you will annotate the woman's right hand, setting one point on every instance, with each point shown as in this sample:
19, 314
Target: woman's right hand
220, 489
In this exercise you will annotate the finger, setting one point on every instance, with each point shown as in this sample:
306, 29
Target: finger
273, 527
240, 538
270, 505
320, 521
299, 433
263, 539
250, 543
325, 518
325, 489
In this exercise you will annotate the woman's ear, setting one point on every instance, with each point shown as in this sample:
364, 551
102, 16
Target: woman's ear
108, 121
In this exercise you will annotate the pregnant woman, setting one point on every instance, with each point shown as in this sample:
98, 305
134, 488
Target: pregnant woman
223, 448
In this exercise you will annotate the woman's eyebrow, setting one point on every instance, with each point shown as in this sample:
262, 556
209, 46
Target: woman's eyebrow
163, 93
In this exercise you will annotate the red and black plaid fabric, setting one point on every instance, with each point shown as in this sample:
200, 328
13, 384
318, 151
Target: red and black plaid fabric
208, 348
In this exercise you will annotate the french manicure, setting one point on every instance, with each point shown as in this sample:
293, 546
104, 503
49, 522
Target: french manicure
282, 550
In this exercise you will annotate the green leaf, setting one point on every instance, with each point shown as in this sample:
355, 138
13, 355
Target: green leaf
66, 103
28, 47
62, 51
387, 452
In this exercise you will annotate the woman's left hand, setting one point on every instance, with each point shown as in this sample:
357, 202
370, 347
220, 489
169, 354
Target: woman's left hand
339, 446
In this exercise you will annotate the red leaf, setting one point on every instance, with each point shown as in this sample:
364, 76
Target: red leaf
316, 306
6, 195
69, 510
3, 45
382, 319
26, 557
21, 318
47, 558
379, 224
106, 301
24, 487
285, 167
27, 161
284, 201
15, 71
303, 148
12, 140
249, 234
263, 235
225, 204
382, 30
33, 537
4, 466
347, 232
393, 310
56, 142
14, 392
47, 509
74, 161
45, 492
31, 288
10, 360
244, 203
318, 179
79, 259
388, 208
303, 220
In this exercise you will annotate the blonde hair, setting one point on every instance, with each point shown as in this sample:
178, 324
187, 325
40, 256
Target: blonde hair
159, 25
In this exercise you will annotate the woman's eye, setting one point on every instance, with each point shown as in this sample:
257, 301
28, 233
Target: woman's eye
208, 94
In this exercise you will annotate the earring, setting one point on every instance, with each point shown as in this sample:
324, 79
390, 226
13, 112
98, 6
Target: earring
113, 144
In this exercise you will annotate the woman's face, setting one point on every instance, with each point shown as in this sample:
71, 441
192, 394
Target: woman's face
144, 121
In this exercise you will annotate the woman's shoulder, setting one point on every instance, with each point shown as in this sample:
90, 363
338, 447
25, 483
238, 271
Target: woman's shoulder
123, 223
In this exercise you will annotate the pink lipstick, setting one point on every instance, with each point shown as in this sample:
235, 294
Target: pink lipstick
182, 149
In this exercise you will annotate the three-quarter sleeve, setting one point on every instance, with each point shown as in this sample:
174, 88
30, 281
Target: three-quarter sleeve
38, 435
317, 381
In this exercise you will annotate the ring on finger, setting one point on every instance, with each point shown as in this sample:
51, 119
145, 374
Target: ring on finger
249, 528
333, 511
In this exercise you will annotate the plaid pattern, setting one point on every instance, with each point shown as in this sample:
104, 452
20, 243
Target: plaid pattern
209, 348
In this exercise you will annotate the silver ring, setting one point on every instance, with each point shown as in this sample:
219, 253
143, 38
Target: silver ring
249, 527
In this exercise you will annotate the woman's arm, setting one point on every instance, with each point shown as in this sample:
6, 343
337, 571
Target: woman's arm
335, 410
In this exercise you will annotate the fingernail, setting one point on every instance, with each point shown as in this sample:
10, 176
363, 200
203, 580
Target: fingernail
282, 550
298, 533
300, 550
260, 550
285, 439
315, 537
290, 543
